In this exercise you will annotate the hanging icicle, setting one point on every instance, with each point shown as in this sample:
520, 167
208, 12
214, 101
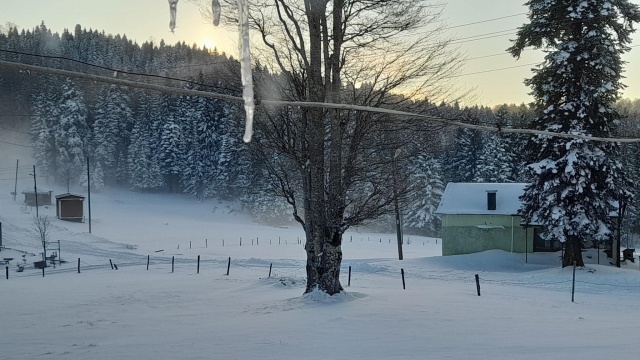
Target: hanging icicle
215, 9
173, 7
245, 67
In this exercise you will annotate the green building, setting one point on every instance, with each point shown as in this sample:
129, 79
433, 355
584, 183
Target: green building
485, 216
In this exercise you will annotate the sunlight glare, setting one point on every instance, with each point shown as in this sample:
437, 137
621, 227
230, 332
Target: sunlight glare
208, 43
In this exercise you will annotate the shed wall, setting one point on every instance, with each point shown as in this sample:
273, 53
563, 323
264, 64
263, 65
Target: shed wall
461, 234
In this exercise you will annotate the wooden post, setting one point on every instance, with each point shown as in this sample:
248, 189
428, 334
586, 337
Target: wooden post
402, 273
15, 185
198, 269
270, 266
222, 242
7, 271
89, 194
116, 266
111, 262
78, 265
598, 247
206, 243
573, 285
148, 258
478, 283
228, 265
173, 259
278, 240
257, 241
43, 266
189, 244
241, 241
349, 282
251, 241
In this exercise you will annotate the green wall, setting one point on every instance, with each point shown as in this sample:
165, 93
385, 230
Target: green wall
461, 234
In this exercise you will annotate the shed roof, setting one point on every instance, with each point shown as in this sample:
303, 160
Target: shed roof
471, 198
40, 191
69, 195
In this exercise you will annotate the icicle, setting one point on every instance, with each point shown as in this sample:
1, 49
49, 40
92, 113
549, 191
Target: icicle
173, 7
245, 67
215, 9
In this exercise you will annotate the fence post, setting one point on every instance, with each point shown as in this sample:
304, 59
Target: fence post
7, 271
78, 265
173, 258
111, 263
573, 284
148, 258
206, 243
349, 282
241, 241
478, 283
228, 265
198, 270
43, 266
257, 241
402, 272
270, 266
189, 244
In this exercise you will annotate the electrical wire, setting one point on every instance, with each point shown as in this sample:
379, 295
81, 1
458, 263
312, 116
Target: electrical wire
309, 104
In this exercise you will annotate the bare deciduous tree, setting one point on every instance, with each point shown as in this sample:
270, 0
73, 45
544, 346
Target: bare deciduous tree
335, 167
41, 228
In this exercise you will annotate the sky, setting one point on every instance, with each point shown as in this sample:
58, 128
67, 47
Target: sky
144, 20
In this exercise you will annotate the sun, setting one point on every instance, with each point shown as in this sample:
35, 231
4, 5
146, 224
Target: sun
208, 43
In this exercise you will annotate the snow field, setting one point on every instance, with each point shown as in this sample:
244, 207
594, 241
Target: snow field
525, 310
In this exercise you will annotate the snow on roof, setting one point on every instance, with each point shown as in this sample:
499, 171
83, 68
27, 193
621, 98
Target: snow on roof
471, 198
66, 195
40, 191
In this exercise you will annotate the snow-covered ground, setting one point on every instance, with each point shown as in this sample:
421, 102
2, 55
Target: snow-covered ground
525, 311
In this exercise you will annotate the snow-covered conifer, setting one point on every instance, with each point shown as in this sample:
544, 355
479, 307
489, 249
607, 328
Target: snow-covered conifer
575, 183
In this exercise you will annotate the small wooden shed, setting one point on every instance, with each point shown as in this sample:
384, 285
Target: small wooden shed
44, 197
70, 207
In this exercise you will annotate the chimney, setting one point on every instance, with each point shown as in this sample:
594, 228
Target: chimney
491, 199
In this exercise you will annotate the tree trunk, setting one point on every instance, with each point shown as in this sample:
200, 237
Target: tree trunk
573, 252
323, 268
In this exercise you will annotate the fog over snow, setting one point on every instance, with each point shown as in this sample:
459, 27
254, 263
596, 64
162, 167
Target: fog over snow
524, 311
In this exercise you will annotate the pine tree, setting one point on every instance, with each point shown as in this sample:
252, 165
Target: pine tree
426, 175
45, 117
143, 157
495, 159
576, 182
172, 146
200, 137
70, 132
462, 161
112, 118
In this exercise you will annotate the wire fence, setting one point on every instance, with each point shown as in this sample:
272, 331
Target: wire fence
358, 269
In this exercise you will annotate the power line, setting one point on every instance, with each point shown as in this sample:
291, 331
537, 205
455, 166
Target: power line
10, 143
494, 70
483, 21
18, 131
188, 92
115, 71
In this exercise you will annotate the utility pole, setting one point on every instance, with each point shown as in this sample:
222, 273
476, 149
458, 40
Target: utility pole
35, 189
89, 193
397, 206
15, 186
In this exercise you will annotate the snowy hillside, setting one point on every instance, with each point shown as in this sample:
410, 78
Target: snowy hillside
525, 310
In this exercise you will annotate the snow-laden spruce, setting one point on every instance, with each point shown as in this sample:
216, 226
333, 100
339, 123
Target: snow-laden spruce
576, 183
